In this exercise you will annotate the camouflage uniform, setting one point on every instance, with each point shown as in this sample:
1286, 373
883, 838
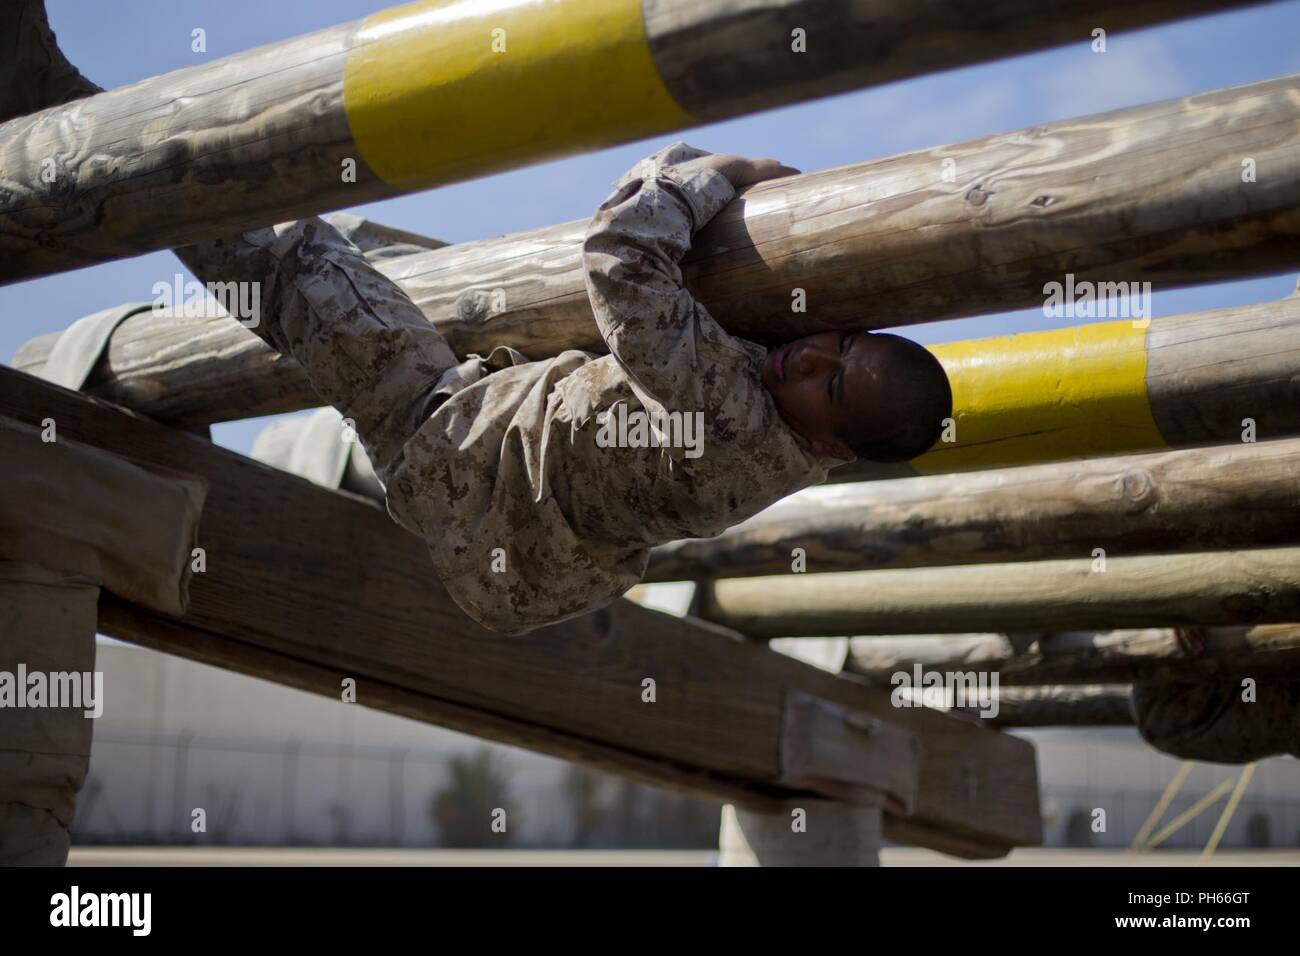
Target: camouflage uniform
1209, 720
502, 453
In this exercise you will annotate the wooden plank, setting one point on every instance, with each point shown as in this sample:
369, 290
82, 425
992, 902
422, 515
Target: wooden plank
1150, 194
269, 134
1201, 499
1196, 589
1121, 656
327, 579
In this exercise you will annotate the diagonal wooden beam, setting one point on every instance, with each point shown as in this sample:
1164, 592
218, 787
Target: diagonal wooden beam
1195, 499
443, 90
1151, 194
1201, 588
1099, 705
1088, 657
326, 585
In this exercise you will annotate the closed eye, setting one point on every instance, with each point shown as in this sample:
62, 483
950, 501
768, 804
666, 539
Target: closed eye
837, 383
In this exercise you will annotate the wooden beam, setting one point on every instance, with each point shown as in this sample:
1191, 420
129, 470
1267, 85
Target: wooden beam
324, 585
1201, 499
359, 112
1201, 588
1089, 657
1150, 194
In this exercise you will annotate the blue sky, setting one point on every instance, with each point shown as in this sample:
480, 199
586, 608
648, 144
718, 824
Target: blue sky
121, 42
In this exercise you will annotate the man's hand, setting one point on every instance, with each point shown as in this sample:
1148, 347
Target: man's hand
742, 171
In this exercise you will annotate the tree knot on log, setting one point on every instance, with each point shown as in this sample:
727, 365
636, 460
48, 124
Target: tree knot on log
1137, 489
474, 305
978, 195
1250, 606
58, 180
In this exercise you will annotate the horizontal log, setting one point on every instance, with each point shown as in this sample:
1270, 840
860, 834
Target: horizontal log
1199, 499
1150, 194
1123, 656
329, 586
877, 656
361, 111
1093, 705
1176, 590
1113, 387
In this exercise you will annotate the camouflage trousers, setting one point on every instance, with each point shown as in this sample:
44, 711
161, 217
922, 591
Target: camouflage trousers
366, 347
1215, 720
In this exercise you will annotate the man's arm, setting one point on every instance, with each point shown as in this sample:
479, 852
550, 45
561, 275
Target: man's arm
651, 323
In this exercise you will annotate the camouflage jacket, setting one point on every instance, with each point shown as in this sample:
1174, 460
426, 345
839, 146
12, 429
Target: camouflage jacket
535, 486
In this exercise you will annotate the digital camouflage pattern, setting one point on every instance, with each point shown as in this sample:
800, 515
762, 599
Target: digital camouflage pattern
1212, 720
34, 73
495, 461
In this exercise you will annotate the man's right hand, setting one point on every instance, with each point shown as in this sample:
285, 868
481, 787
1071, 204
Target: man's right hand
742, 171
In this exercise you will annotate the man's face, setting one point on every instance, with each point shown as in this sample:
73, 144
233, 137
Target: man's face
825, 384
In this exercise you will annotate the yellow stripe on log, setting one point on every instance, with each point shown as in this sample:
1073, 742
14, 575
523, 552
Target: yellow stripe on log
1043, 396
445, 89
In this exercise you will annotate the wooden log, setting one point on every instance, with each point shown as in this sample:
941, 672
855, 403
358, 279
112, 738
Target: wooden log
311, 586
836, 835
880, 655
1094, 705
1151, 194
1123, 656
1115, 387
362, 111
1200, 499
1202, 588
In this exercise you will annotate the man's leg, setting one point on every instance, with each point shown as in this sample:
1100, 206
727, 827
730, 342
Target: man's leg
34, 73
365, 346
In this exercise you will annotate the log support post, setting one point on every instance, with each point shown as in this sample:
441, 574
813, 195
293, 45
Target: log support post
801, 833
863, 763
76, 520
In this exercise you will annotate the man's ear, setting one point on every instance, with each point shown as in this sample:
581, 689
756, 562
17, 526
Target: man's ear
834, 448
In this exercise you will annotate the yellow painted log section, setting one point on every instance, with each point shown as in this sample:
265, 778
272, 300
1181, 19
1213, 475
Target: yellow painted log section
1044, 396
438, 91
444, 89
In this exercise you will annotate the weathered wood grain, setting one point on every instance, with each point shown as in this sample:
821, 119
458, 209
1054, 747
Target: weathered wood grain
261, 136
326, 580
1152, 194
1123, 656
1198, 499
1095, 705
1177, 590
859, 43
